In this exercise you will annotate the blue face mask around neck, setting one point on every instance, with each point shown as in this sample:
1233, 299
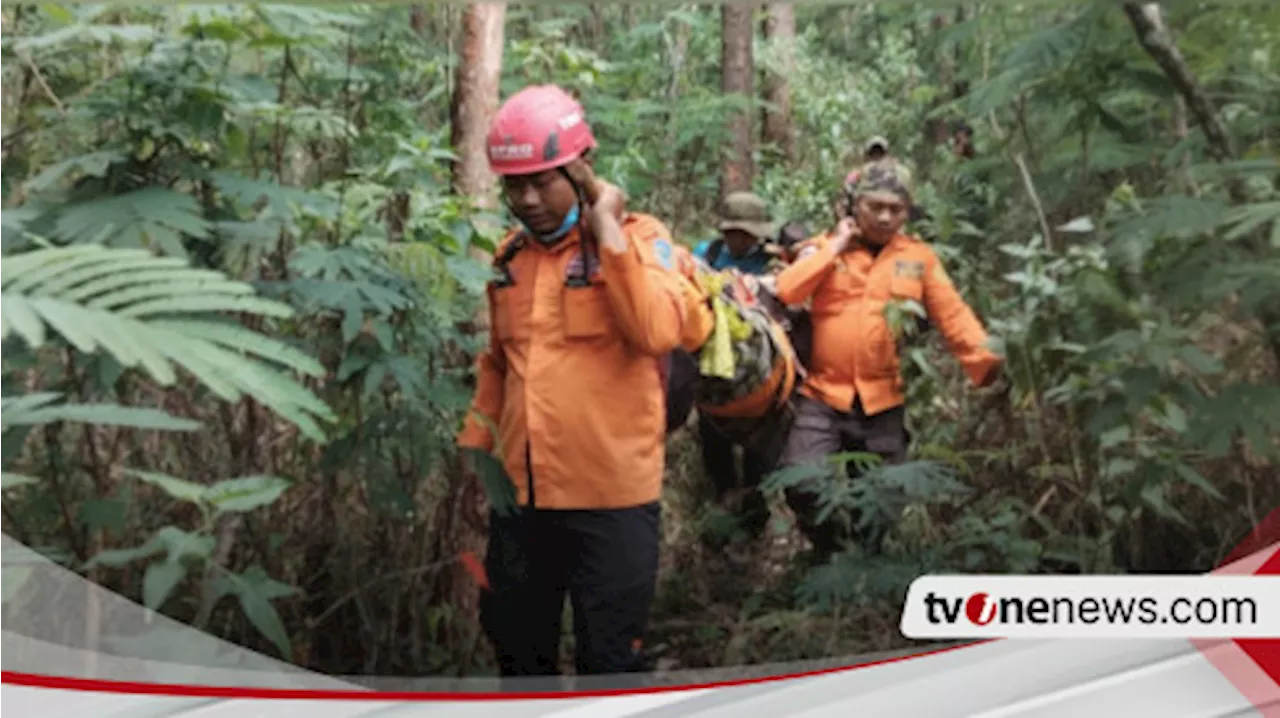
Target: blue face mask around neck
566, 226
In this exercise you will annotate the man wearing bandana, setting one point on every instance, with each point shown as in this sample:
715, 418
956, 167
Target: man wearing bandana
863, 280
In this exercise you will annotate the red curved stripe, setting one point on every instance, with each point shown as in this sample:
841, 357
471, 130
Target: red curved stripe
94, 685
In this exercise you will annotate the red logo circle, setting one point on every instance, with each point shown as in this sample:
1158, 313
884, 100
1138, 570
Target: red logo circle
980, 609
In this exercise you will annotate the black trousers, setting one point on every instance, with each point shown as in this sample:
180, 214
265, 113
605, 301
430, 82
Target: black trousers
606, 561
721, 467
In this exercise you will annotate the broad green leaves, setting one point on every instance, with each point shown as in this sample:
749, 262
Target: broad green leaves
153, 314
238, 495
35, 409
255, 591
13, 481
185, 555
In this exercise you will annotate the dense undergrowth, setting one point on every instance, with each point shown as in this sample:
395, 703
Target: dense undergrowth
248, 425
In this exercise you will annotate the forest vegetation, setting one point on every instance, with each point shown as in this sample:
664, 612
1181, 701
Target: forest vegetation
244, 251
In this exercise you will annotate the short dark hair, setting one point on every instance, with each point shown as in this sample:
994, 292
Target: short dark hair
793, 232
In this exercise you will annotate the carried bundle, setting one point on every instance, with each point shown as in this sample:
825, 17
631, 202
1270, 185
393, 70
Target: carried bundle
747, 369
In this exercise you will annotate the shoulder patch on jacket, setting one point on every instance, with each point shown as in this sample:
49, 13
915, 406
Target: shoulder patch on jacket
908, 268
664, 253
653, 237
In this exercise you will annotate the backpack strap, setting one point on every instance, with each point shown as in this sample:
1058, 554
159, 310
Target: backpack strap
713, 251
502, 262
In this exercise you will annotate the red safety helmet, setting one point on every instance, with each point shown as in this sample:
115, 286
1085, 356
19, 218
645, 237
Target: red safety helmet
538, 128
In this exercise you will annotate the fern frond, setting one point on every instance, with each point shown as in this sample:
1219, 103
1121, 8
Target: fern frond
157, 314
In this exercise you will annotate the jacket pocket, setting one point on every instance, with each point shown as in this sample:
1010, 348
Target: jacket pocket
587, 313
511, 314
901, 288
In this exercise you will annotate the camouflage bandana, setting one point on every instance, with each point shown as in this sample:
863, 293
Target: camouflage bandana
886, 175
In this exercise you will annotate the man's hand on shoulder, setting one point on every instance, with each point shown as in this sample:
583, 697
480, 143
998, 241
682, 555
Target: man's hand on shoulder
845, 232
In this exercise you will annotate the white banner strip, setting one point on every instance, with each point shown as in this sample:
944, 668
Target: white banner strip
983, 606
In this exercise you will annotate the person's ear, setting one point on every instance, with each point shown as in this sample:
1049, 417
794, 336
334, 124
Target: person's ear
580, 171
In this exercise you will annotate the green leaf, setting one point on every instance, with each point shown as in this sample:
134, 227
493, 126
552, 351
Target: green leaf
177, 488
1079, 225
498, 487
183, 545
153, 217
104, 514
1114, 436
1117, 468
255, 596
106, 415
1194, 478
157, 314
1199, 361
1154, 497
245, 494
94, 164
469, 273
159, 581
117, 557
13, 481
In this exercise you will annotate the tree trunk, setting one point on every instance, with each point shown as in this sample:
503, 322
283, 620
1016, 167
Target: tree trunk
475, 99
473, 105
936, 128
597, 27
780, 31
959, 84
737, 79
1148, 24
418, 18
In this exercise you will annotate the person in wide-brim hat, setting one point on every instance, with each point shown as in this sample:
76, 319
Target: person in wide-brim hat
746, 212
746, 235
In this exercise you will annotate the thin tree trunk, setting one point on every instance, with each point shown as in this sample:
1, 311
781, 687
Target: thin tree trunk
475, 99
936, 128
1148, 23
780, 31
737, 79
473, 105
597, 27
959, 85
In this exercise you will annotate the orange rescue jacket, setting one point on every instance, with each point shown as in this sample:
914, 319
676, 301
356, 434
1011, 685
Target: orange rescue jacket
854, 351
571, 376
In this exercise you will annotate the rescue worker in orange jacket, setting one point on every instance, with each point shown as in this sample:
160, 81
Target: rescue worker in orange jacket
852, 399
584, 306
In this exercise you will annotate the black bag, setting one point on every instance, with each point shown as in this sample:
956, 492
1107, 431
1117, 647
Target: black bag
680, 372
